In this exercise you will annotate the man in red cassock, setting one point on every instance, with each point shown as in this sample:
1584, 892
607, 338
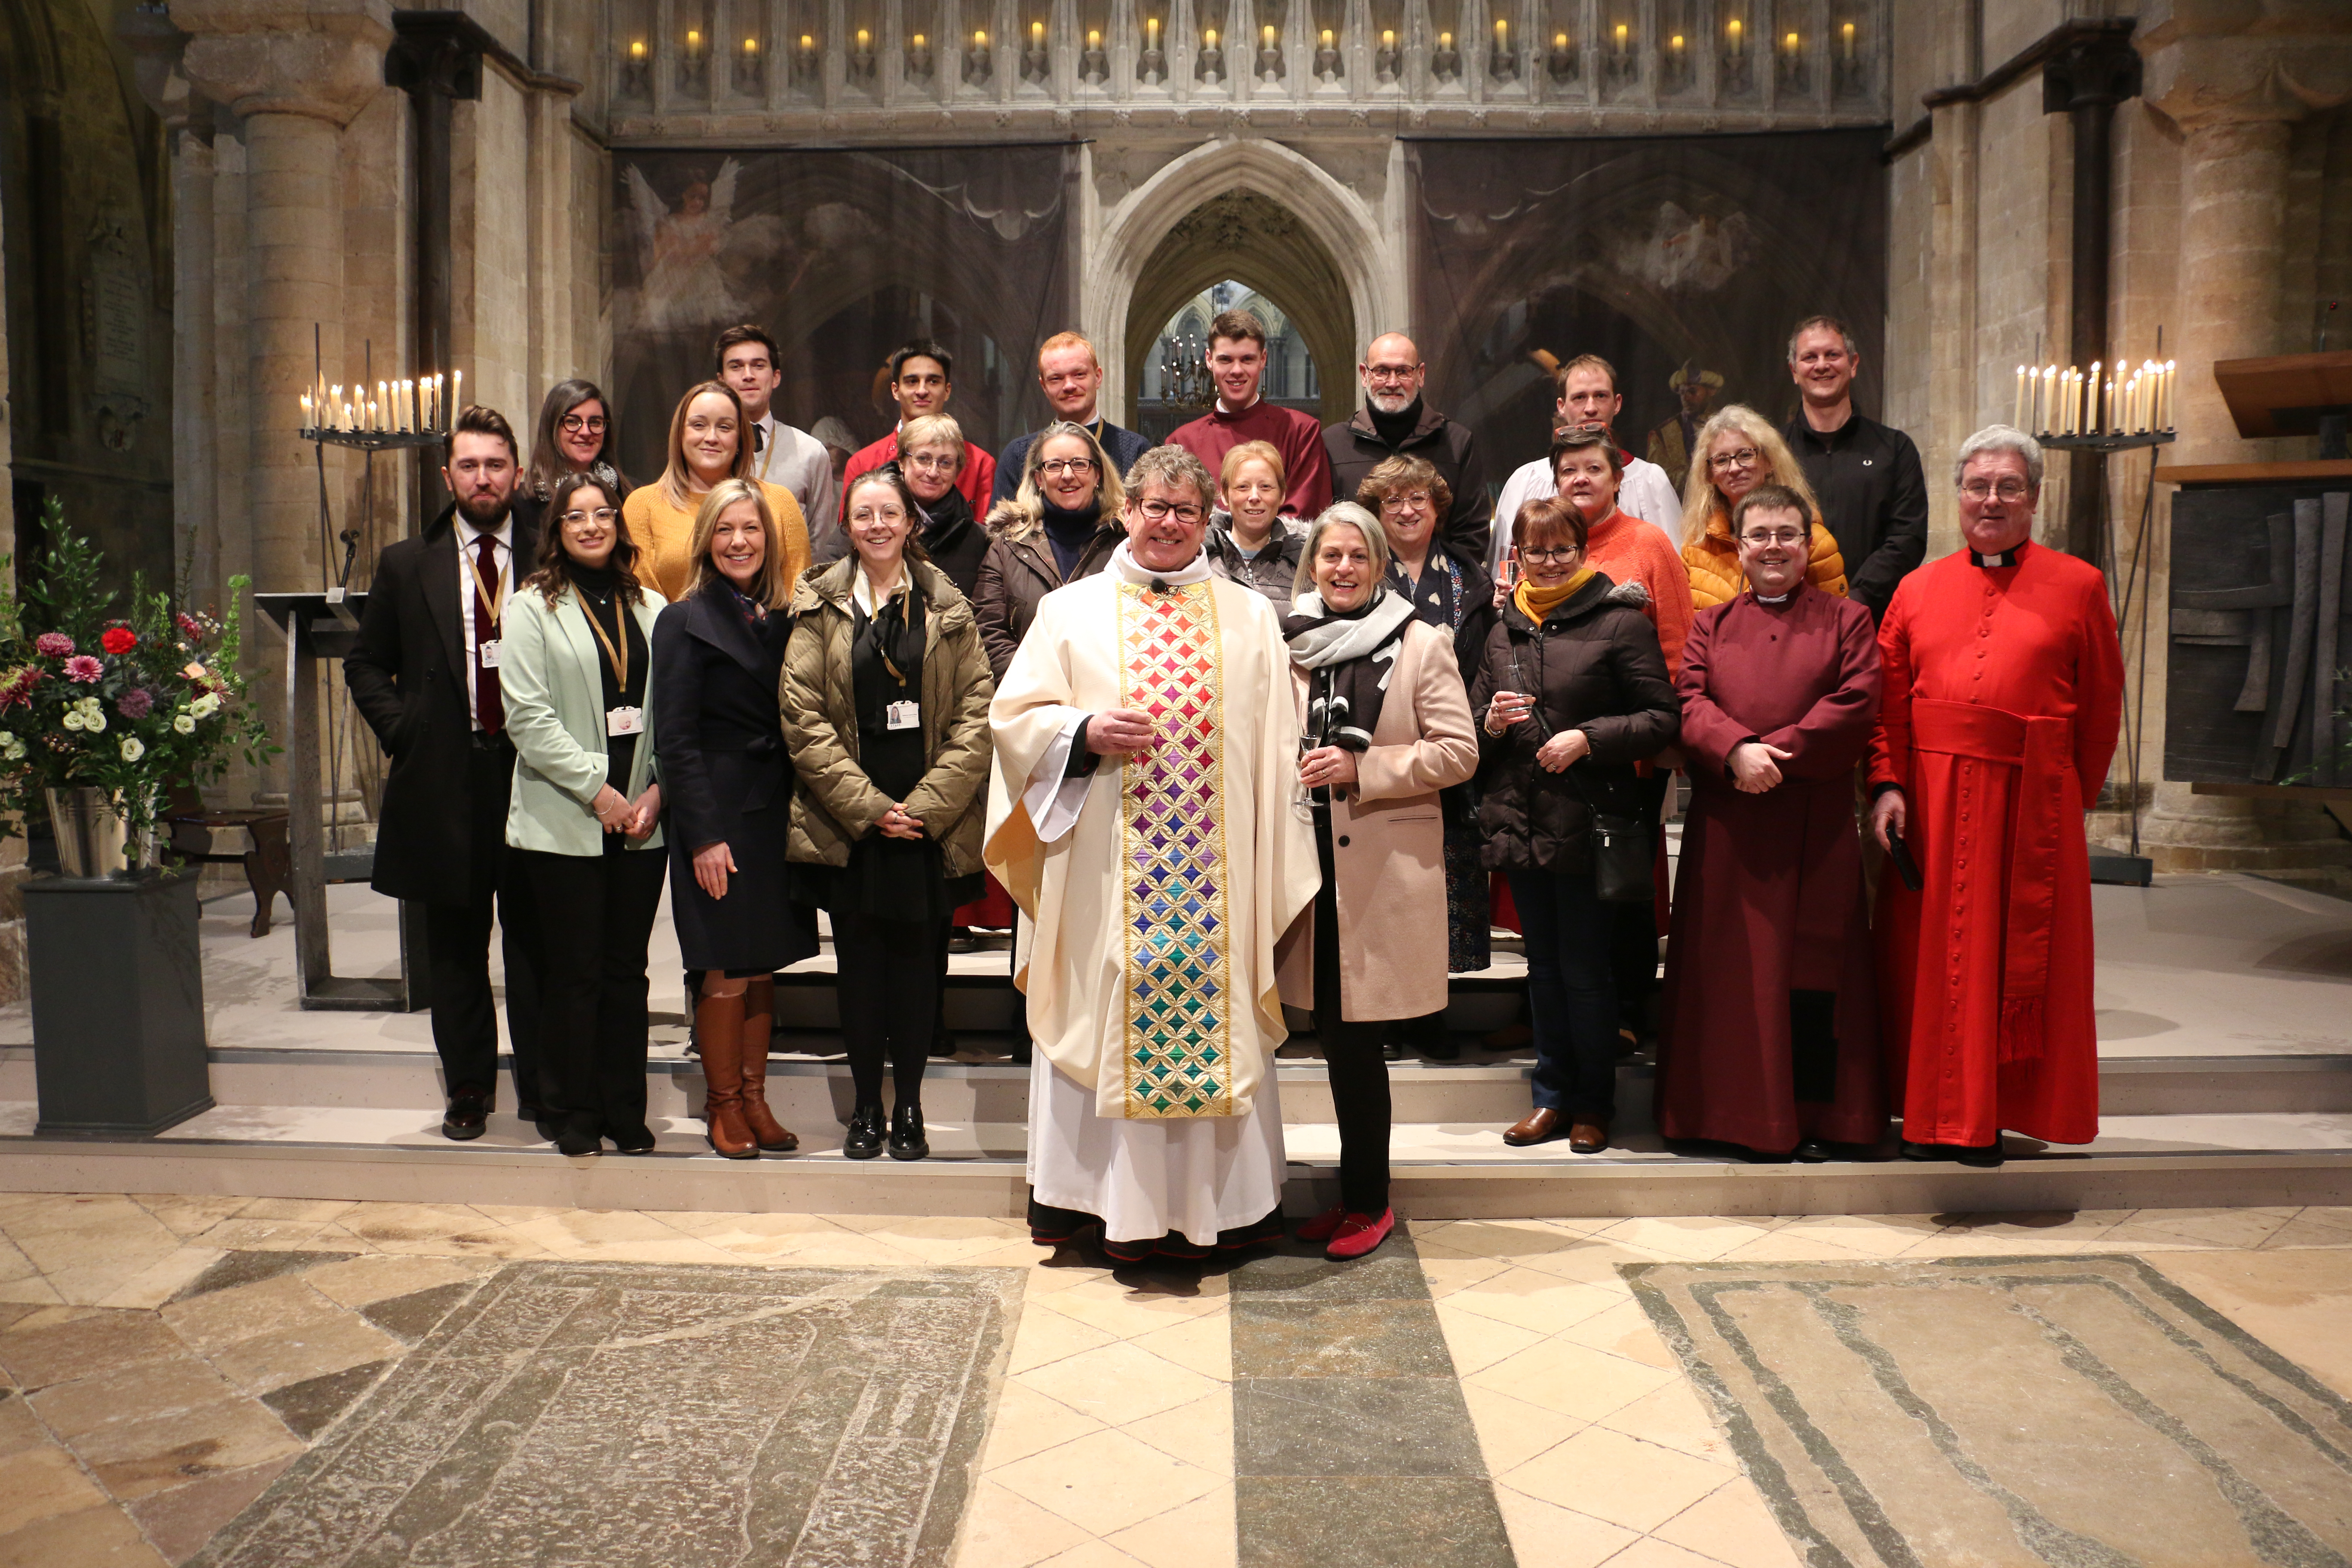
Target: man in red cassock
2004, 691
1769, 1037
1236, 360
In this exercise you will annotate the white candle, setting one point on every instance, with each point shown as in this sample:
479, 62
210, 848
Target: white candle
2171, 390
305, 411
456, 393
2017, 417
2048, 414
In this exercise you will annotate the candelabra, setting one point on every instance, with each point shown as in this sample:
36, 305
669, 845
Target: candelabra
1185, 378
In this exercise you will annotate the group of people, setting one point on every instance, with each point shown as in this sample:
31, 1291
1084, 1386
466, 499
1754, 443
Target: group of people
1228, 742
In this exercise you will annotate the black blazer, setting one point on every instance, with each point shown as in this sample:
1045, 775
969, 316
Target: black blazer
407, 675
726, 778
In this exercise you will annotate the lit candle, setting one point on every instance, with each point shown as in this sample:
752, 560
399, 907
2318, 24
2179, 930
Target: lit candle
1445, 41
305, 411
693, 42
1209, 37
1559, 42
2091, 420
1036, 34
918, 41
637, 48
750, 48
1502, 36
979, 39
1094, 38
1731, 29
379, 408
2017, 417
1151, 33
2171, 384
1387, 39
864, 38
1675, 43
1327, 38
1265, 36
808, 43
1846, 34
2047, 414
1791, 41
458, 390
1623, 34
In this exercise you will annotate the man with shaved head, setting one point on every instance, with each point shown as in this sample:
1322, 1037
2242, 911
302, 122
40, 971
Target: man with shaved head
1394, 420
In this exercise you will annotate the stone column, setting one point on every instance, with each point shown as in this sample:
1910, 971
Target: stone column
2235, 97
297, 70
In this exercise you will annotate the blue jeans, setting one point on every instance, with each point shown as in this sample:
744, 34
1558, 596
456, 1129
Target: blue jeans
1571, 992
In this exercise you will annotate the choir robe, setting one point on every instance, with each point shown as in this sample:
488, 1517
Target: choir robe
2004, 693
1156, 892
1769, 898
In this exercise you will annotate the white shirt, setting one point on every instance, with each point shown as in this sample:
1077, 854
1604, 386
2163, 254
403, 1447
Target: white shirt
1644, 492
503, 552
798, 462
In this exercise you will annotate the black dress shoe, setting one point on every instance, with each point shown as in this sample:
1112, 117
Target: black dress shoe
944, 1046
1023, 1052
1813, 1152
864, 1139
580, 1135
1924, 1152
1985, 1157
906, 1140
466, 1116
637, 1139
1393, 1051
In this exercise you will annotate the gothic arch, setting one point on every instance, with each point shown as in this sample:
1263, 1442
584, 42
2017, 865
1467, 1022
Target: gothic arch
1330, 266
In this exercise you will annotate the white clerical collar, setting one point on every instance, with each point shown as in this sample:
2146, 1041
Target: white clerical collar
1125, 566
2006, 558
1773, 599
1230, 412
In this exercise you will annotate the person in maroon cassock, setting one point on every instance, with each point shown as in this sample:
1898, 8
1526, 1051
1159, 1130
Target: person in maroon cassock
1769, 1033
2004, 693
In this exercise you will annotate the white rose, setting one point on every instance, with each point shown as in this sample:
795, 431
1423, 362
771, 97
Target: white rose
184, 723
133, 747
204, 707
16, 751
71, 718
92, 720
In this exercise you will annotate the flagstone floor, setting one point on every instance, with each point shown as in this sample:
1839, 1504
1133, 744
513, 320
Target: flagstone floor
163, 1361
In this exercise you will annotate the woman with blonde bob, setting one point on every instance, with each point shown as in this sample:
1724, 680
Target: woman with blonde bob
1061, 525
719, 658
707, 446
1736, 450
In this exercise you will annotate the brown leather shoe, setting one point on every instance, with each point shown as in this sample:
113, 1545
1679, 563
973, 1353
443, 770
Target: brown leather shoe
758, 1020
1588, 1137
1535, 1127
718, 1020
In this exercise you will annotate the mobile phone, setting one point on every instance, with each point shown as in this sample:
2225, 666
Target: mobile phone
1905, 865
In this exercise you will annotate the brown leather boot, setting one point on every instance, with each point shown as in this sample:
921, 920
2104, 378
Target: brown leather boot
759, 1021
719, 1021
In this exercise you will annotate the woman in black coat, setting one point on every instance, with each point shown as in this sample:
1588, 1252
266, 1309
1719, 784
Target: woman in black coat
718, 656
1572, 693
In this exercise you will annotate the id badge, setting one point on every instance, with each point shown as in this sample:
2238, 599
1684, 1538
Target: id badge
903, 716
625, 721
490, 651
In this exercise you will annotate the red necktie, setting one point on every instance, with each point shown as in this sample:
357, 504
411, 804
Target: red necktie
489, 708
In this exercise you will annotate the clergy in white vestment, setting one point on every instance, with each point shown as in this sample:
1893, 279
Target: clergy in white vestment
1145, 814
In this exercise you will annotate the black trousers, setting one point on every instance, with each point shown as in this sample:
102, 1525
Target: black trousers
888, 981
597, 916
1352, 1055
457, 948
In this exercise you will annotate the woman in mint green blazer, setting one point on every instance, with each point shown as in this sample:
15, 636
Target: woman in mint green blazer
575, 658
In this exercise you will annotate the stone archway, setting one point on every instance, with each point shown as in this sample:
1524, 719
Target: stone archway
1253, 240
1260, 214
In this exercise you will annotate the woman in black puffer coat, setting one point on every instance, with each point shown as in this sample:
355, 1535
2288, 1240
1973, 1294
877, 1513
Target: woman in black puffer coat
1572, 693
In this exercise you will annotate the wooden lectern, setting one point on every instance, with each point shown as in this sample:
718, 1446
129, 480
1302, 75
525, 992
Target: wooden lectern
2262, 594
319, 627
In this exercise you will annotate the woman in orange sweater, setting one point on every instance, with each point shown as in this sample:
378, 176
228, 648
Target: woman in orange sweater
706, 447
1587, 467
1736, 450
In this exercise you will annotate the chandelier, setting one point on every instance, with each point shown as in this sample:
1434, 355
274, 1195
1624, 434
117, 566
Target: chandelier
1185, 373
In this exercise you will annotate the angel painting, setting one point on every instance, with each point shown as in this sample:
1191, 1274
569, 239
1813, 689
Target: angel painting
680, 252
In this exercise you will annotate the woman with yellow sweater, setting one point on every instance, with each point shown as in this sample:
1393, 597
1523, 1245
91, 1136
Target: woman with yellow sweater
706, 447
1736, 451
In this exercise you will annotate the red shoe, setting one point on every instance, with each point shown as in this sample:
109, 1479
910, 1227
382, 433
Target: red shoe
1320, 1227
1359, 1233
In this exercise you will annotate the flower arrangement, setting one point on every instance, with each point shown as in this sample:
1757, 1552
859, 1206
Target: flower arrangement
127, 704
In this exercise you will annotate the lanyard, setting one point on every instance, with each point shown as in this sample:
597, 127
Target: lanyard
617, 658
767, 451
491, 591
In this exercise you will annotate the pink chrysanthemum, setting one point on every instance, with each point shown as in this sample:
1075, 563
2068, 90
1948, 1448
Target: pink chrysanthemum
53, 645
16, 690
83, 668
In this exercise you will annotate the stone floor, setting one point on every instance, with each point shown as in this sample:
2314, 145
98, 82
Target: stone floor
167, 1360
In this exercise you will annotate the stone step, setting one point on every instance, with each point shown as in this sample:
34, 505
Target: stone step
814, 1083
1442, 1170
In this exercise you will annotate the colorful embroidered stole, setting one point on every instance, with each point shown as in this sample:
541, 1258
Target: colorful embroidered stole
1178, 1047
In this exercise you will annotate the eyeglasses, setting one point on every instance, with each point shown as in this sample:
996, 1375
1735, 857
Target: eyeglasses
593, 423
1057, 466
936, 462
1549, 553
1416, 499
603, 514
1778, 536
1160, 510
2006, 490
1390, 373
1743, 458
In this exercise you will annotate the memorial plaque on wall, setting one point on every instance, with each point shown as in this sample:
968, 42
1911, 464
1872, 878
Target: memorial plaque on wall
2260, 672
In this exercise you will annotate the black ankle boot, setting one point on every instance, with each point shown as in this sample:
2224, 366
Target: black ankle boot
906, 1140
864, 1139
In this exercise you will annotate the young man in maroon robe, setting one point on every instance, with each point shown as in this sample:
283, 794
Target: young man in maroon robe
1237, 357
2004, 691
1769, 1037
